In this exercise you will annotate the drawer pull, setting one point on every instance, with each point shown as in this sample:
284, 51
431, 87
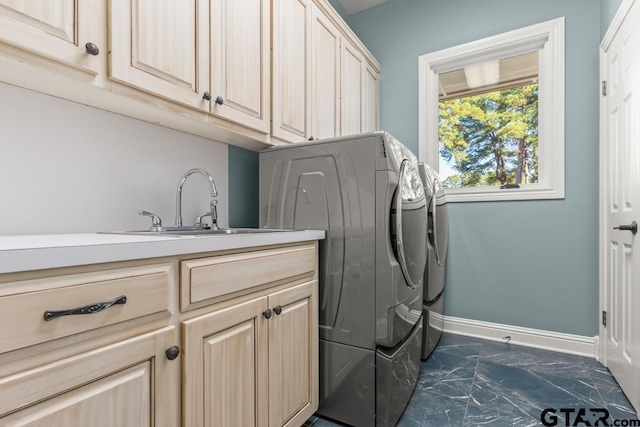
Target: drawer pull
88, 309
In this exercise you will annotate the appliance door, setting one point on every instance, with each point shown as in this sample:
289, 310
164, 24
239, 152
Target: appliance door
439, 225
409, 224
438, 241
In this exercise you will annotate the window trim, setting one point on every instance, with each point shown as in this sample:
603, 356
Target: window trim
546, 37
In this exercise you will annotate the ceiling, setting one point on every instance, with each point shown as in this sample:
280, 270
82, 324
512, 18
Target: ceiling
509, 72
355, 6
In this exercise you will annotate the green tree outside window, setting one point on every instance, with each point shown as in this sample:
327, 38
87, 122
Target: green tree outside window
491, 139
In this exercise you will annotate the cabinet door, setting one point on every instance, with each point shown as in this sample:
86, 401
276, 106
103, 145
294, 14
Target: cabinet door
225, 367
352, 65
370, 100
291, 92
325, 109
128, 384
293, 355
55, 29
156, 46
240, 61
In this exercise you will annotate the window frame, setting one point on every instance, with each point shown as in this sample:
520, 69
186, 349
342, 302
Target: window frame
546, 37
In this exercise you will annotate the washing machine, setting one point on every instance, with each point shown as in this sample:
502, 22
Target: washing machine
437, 244
365, 191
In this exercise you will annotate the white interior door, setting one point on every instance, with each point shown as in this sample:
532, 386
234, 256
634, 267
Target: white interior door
620, 156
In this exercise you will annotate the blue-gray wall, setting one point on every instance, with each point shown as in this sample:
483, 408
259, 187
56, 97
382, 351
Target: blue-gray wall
530, 263
608, 9
243, 187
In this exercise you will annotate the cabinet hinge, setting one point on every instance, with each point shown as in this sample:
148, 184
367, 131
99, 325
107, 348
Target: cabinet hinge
604, 318
604, 88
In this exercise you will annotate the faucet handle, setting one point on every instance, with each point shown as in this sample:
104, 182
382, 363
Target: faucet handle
156, 222
199, 218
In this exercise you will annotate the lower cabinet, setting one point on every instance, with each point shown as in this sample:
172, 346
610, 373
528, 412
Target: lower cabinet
253, 363
243, 351
127, 384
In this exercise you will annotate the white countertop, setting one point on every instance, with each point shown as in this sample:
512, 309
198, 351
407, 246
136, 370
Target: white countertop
36, 252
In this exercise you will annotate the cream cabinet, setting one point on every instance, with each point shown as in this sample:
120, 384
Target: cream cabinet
226, 367
223, 338
251, 73
293, 352
323, 84
254, 361
359, 92
306, 72
325, 77
129, 384
212, 55
86, 348
65, 31
352, 87
370, 112
240, 61
292, 69
159, 46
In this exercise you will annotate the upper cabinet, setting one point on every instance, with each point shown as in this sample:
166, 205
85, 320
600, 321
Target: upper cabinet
250, 73
359, 92
325, 77
157, 46
65, 31
291, 69
240, 61
320, 86
352, 77
370, 100
209, 55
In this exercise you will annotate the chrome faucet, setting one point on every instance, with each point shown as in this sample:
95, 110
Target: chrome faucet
187, 174
213, 214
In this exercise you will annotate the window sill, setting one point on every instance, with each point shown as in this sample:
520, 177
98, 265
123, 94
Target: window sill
495, 194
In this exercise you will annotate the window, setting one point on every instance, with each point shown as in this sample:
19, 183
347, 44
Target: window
492, 115
488, 124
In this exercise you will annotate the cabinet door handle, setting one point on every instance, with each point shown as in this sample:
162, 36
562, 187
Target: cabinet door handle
172, 352
206, 96
277, 309
87, 309
267, 313
92, 49
219, 100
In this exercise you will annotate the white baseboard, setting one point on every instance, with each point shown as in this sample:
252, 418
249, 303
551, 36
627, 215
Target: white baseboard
596, 348
547, 340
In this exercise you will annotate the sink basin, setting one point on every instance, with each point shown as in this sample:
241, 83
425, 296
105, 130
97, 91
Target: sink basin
192, 232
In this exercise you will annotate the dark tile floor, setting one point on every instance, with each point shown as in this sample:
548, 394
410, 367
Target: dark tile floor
473, 382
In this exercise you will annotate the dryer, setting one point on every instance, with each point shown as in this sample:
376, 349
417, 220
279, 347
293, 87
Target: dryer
437, 244
365, 191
